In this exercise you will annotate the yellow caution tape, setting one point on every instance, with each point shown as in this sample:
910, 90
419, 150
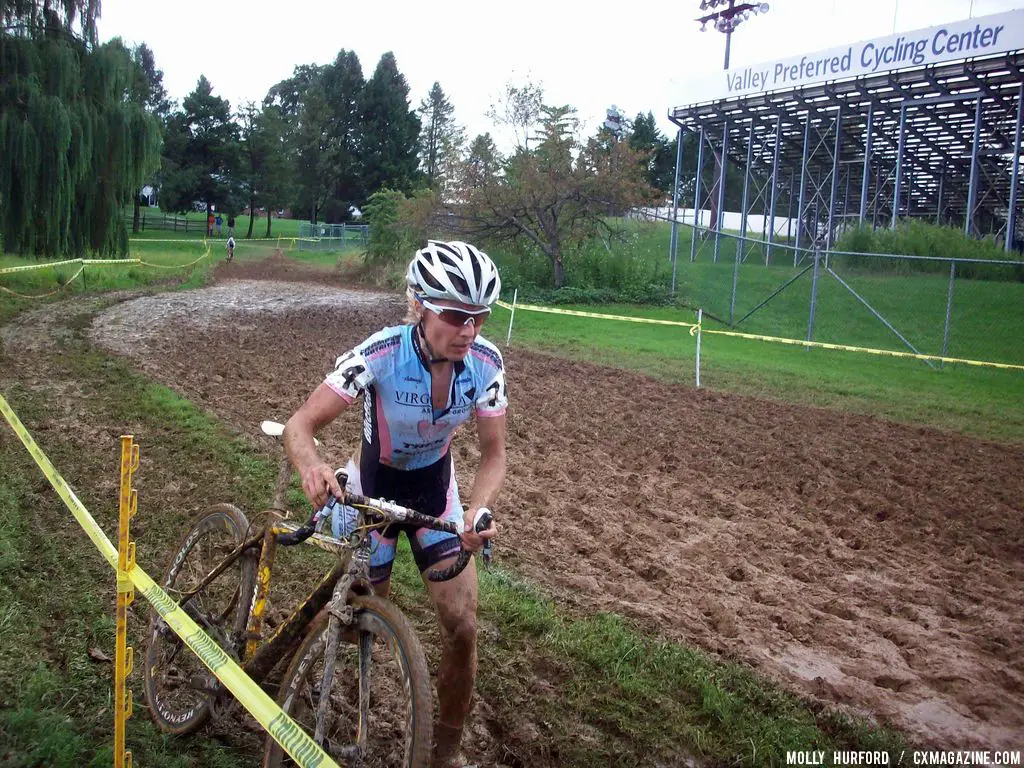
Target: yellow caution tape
867, 350
553, 311
67, 282
772, 339
104, 262
196, 240
30, 267
177, 266
290, 736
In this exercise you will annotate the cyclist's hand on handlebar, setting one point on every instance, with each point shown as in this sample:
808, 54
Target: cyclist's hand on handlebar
471, 539
318, 481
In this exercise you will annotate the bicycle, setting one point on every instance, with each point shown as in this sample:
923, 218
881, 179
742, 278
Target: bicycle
380, 715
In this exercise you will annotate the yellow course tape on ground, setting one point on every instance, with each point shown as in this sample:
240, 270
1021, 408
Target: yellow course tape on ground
295, 741
771, 339
67, 282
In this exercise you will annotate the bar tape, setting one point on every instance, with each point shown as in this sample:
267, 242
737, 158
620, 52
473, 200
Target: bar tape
285, 731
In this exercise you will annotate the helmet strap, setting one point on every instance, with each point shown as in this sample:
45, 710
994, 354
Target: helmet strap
430, 357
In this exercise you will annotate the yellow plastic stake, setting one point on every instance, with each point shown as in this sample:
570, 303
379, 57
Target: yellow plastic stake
124, 656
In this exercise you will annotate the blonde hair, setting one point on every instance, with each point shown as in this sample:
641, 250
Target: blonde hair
413, 309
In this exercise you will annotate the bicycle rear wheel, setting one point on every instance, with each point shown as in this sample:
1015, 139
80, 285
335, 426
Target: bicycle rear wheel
178, 685
396, 696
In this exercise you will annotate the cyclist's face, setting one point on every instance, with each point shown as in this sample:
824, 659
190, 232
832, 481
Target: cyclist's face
452, 331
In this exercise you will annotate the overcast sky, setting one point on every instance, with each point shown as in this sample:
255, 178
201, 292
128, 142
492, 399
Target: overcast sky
637, 56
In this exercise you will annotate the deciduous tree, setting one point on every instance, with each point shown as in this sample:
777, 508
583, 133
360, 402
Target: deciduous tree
557, 195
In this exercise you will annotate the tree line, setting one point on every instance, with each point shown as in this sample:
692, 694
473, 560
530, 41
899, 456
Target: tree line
85, 125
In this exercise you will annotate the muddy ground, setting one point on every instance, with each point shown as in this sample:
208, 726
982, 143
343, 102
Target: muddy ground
864, 563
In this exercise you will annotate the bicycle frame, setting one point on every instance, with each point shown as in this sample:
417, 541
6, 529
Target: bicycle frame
257, 660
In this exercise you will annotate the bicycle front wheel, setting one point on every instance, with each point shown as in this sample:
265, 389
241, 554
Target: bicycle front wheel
179, 688
381, 710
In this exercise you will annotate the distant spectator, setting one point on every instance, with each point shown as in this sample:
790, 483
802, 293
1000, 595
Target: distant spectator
209, 225
219, 222
231, 226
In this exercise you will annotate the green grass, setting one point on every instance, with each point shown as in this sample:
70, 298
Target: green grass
57, 593
979, 401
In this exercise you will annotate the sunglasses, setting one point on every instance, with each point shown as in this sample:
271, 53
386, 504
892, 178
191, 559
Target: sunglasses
458, 317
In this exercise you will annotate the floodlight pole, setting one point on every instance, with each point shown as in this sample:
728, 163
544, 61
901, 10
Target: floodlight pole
728, 36
730, 17
725, 21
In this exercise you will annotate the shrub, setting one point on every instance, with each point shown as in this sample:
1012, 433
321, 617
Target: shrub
914, 237
398, 224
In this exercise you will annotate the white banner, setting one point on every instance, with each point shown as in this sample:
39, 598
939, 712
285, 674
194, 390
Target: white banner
982, 36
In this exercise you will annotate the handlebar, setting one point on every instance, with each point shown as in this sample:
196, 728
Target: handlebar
399, 514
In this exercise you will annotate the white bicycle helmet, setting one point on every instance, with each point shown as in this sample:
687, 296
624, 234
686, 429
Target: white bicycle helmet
456, 271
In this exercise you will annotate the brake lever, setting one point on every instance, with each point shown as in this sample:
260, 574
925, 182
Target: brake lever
481, 522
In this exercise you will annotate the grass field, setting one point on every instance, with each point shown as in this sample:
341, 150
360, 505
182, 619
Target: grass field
980, 401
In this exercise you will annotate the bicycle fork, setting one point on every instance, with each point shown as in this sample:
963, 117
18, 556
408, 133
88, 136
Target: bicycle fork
340, 617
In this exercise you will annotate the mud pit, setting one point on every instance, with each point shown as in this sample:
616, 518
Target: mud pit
863, 563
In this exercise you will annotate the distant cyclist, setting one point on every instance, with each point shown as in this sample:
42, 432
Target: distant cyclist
231, 248
420, 381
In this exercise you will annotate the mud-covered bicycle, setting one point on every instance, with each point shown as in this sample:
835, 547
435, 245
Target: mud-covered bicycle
357, 680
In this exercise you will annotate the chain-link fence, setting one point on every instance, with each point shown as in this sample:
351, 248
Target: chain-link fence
332, 237
954, 307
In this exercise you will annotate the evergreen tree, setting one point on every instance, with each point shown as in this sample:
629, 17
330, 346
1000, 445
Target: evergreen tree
343, 83
74, 146
202, 152
483, 162
389, 130
661, 153
299, 103
320, 111
441, 138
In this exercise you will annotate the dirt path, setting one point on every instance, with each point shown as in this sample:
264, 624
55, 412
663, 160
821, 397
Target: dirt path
865, 563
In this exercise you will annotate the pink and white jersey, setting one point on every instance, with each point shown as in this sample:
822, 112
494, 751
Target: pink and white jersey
400, 427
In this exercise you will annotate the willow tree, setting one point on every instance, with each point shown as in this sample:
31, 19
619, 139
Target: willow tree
74, 147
